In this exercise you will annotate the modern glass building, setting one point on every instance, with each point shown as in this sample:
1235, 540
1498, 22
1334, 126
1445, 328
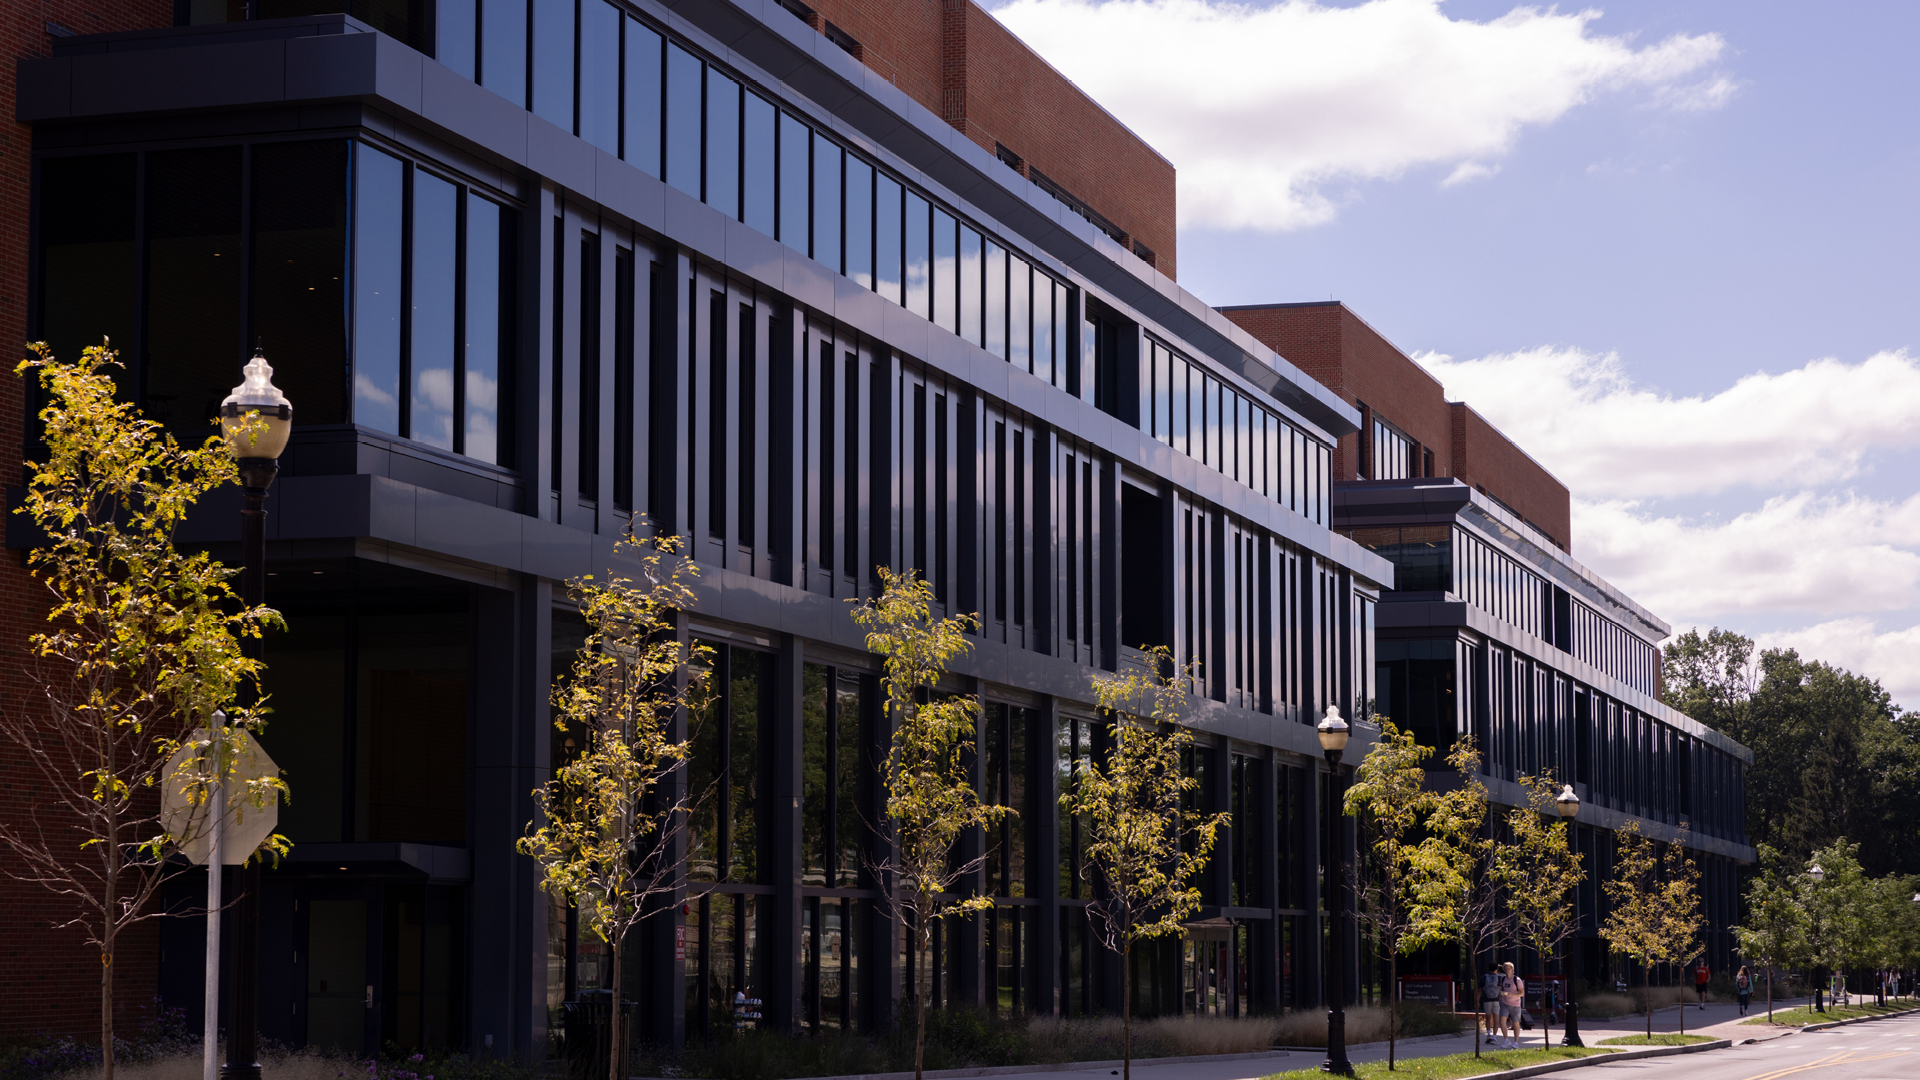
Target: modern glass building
535, 273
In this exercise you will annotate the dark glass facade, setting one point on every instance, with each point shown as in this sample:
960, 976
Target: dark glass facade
631, 279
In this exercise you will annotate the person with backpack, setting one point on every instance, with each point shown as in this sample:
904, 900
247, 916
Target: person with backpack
1743, 987
1490, 1001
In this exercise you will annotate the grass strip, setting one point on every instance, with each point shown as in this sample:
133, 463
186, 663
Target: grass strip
1658, 1038
1805, 1015
1450, 1066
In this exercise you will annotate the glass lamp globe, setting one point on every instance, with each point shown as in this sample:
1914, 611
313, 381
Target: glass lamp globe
1816, 873
1567, 803
264, 438
1333, 732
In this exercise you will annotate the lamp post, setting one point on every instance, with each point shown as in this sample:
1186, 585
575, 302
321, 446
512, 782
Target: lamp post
256, 420
1819, 991
1334, 733
1568, 806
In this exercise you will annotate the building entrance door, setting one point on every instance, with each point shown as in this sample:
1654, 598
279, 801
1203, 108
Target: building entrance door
338, 990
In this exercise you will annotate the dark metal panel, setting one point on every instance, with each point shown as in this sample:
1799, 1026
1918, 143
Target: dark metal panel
468, 110
567, 161
694, 225
43, 89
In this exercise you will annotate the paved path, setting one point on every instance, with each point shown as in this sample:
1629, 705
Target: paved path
1761, 1060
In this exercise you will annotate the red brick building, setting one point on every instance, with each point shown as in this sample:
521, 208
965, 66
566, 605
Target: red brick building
1408, 428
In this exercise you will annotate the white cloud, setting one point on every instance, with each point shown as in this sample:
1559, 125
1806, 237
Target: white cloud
1703, 96
1467, 171
1803, 553
1860, 646
1579, 415
1263, 108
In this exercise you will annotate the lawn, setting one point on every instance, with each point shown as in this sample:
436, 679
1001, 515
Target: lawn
1451, 1066
1658, 1038
1804, 1015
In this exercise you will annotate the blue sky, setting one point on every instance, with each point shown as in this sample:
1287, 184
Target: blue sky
1669, 247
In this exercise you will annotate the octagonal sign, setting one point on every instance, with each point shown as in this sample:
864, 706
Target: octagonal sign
247, 826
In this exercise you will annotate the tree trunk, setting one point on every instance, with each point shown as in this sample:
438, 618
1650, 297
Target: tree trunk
1126, 1011
1769, 993
616, 1045
1393, 1005
1646, 996
924, 933
106, 997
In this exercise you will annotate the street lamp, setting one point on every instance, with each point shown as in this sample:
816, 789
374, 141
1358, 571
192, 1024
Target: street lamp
1819, 992
1568, 806
1334, 733
255, 420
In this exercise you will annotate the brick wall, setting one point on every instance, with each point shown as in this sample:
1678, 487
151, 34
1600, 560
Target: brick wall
1490, 461
49, 979
1335, 346
956, 59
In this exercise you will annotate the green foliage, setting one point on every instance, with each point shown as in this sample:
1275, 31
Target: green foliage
1453, 1066
1654, 911
931, 801
1658, 1038
1538, 868
143, 643
1144, 843
1390, 801
1457, 895
1774, 933
612, 817
1833, 756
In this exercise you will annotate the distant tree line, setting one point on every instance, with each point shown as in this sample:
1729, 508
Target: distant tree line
1834, 757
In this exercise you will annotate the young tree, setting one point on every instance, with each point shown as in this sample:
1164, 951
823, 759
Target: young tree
1144, 843
1390, 801
1838, 907
1539, 870
144, 643
1454, 881
931, 799
1775, 933
1655, 906
612, 816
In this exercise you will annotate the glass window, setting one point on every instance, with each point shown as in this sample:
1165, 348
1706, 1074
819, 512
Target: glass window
970, 305
503, 49
1060, 309
946, 277
757, 156
919, 279
1216, 424
411, 761
995, 308
377, 231
299, 222
826, 201
860, 222
1243, 435
1181, 418
456, 22
553, 61
193, 287
795, 137
641, 143
1042, 320
600, 75
88, 265
683, 120
723, 144
489, 272
1020, 317
1165, 363
436, 218
886, 237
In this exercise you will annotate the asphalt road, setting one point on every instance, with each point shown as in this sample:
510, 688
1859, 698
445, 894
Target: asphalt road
1878, 1050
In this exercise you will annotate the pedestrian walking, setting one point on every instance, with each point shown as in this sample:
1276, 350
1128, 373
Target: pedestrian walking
1743, 986
1490, 1001
1513, 998
1700, 976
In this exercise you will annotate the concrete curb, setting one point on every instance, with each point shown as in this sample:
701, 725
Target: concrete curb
1856, 1020
1610, 1056
1065, 1066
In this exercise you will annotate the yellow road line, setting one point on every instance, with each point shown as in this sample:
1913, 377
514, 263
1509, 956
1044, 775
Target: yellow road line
1844, 1057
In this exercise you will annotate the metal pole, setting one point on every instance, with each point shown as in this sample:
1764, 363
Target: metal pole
216, 811
243, 1020
1570, 1026
1336, 968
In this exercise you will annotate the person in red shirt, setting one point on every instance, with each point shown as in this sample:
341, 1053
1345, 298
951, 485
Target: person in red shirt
1700, 976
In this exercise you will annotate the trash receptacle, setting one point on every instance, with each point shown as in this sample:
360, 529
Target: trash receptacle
589, 1031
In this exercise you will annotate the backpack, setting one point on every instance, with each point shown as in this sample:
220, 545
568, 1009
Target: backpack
1490, 987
